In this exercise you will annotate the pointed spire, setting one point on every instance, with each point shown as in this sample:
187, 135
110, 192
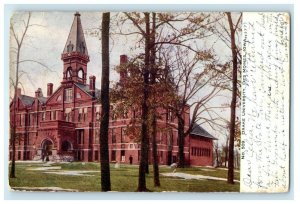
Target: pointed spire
76, 41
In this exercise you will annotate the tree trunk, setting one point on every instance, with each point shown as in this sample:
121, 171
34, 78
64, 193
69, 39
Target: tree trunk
104, 153
217, 156
230, 177
181, 159
226, 156
154, 151
153, 114
147, 158
12, 173
144, 133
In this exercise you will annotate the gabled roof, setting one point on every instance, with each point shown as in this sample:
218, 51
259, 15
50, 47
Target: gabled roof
26, 100
86, 88
199, 131
42, 99
76, 40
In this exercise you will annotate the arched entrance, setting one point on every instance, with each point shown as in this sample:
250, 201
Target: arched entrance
47, 146
66, 146
67, 153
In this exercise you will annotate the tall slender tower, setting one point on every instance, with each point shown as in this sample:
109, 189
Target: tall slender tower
75, 54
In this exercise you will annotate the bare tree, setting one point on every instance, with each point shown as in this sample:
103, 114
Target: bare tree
195, 84
19, 33
19, 43
233, 28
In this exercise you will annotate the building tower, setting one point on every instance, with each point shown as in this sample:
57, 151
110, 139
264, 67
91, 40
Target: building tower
75, 54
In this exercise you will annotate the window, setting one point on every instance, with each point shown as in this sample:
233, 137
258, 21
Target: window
43, 116
131, 146
53, 115
80, 73
170, 138
113, 136
79, 114
113, 155
96, 136
80, 137
96, 155
123, 155
21, 119
85, 114
78, 95
170, 116
68, 95
97, 116
29, 119
68, 114
97, 113
125, 114
160, 138
123, 134
69, 73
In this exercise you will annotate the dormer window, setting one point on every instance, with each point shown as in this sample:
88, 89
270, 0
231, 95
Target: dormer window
70, 47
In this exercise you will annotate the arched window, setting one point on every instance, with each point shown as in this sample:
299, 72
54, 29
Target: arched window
80, 73
69, 73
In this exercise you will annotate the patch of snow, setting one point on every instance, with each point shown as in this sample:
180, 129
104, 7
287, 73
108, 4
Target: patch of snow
28, 161
45, 168
71, 173
52, 189
196, 177
207, 170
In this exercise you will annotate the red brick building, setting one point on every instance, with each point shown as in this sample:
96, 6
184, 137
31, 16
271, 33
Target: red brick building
64, 124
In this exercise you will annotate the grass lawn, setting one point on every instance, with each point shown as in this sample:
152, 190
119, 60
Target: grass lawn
123, 179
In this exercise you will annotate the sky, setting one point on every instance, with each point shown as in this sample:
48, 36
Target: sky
45, 42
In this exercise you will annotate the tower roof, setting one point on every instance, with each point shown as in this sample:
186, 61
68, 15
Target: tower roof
76, 41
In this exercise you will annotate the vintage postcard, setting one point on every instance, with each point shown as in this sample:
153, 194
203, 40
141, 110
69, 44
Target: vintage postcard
149, 101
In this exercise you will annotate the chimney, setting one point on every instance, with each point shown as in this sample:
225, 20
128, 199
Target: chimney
123, 72
19, 92
49, 89
123, 59
38, 93
92, 84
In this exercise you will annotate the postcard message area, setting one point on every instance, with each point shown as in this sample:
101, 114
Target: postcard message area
265, 102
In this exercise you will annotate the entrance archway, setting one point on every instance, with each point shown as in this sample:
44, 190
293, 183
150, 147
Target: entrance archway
47, 146
66, 146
